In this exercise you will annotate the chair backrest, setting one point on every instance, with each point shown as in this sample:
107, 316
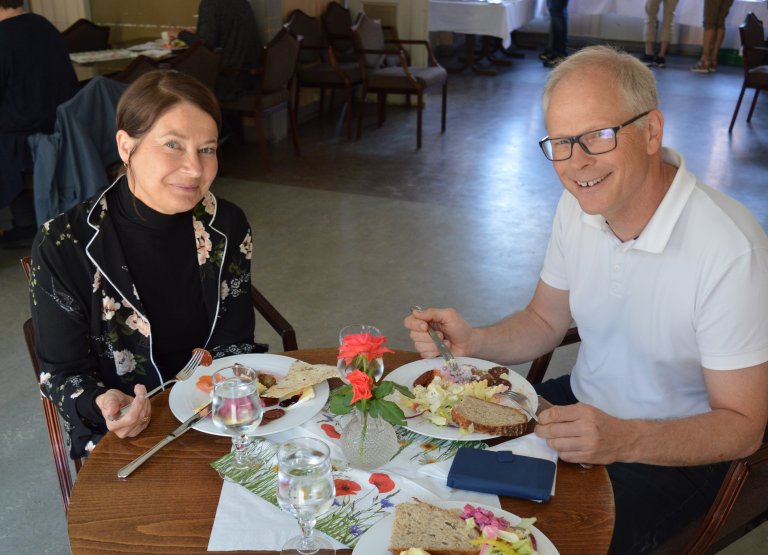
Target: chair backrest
138, 67
280, 57
337, 22
59, 450
84, 35
200, 62
311, 32
752, 35
741, 502
369, 35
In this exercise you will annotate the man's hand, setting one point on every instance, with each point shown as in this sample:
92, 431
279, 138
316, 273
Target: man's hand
133, 422
581, 433
455, 332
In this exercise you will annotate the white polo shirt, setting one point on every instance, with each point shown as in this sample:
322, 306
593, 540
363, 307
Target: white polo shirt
690, 292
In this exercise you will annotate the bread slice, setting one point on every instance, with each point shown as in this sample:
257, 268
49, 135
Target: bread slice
300, 376
489, 418
435, 530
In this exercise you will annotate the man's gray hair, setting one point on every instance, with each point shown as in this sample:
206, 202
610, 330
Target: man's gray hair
633, 79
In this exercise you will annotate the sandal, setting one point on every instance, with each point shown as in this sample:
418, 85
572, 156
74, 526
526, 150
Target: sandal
702, 66
713, 67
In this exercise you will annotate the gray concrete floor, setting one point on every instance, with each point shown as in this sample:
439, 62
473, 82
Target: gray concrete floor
358, 231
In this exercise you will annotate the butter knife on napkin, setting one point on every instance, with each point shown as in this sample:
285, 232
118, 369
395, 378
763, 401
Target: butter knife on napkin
128, 469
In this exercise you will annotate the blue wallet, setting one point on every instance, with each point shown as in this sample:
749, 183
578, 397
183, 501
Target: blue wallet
502, 473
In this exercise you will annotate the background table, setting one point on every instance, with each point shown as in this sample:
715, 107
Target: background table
168, 505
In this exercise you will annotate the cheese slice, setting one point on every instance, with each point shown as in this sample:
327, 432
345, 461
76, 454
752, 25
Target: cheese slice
300, 376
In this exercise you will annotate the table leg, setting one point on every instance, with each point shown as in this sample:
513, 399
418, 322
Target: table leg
469, 60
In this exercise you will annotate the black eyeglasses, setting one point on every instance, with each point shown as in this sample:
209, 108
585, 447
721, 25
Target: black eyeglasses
598, 141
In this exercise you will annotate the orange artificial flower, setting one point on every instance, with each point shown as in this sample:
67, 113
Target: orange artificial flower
346, 487
361, 385
362, 344
382, 482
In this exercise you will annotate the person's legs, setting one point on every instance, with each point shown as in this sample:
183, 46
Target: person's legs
558, 27
666, 27
649, 31
654, 502
557, 391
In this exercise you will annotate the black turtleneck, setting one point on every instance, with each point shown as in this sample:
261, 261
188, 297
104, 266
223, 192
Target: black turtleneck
162, 259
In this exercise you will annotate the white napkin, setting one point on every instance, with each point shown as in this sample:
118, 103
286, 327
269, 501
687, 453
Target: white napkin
529, 445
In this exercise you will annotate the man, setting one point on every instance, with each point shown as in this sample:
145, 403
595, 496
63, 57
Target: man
667, 280
35, 77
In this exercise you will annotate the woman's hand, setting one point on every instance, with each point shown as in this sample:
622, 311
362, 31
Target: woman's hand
133, 422
455, 332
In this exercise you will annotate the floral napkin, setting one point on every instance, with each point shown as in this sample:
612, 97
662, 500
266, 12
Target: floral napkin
246, 522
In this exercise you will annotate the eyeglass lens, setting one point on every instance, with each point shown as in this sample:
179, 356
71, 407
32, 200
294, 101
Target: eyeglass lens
595, 142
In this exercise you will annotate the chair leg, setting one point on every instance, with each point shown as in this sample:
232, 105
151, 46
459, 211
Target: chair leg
262, 141
348, 115
752, 108
361, 112
294, 130
420, 109
296, 99
380, 100
445, 98
736, 110
322, 103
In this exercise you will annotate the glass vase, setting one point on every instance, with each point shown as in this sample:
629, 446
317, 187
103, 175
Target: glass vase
374, 368
368, 442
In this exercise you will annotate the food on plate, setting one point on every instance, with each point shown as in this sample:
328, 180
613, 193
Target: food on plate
300, 376
467, 373
205, 384
489, 418
273, 414
423, 529
432, 529
207, 359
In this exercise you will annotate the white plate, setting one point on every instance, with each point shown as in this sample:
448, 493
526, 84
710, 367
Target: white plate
185, 397
409, 372
376, 539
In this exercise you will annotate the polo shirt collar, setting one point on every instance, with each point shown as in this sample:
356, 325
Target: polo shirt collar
655, 236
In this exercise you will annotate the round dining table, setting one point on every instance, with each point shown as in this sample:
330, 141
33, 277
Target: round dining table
168, 505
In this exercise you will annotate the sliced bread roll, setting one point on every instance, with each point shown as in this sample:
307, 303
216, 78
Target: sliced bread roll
489, 418
435, 530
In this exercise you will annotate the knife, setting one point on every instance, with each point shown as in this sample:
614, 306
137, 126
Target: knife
450, 360
188, 423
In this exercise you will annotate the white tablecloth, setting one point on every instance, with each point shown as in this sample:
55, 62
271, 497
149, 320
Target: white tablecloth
475, 17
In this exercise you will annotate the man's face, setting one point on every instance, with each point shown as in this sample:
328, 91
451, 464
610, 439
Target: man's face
608, 184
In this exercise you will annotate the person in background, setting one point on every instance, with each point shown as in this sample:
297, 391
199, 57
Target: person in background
667, 281
231, 26
651, 56
35, 77
558, 33
715, 12
125, 285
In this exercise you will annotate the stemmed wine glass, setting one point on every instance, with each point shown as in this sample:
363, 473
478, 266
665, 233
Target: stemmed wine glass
375, 367
237, 407
305, 489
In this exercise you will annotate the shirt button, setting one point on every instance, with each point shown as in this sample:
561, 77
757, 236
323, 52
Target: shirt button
616, 267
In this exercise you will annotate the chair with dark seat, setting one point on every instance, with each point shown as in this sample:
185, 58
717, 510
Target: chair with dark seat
273, 88
741, 503
383, 79
318, 68
199, 61
59, 450
755, 57
84, 35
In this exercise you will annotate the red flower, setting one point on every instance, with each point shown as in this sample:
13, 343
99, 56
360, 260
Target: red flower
346, 487
330, 431
382, 482
361, 385
365, 344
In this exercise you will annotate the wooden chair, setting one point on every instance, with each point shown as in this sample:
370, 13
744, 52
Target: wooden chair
318, 68
199, 61
383, 79
138, 67
741, 503
273, 88
755, 56
84, 35
337, 23
59, 450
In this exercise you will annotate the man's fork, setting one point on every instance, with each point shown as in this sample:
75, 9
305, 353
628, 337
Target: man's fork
521, 401
183, 374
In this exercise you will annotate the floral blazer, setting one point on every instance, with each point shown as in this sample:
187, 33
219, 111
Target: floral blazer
91, 332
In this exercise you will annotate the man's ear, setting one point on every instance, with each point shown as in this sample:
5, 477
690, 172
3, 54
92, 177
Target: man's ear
125, 145
655, 131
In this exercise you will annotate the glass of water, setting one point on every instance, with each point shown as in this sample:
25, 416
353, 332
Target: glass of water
237, 407
305, 489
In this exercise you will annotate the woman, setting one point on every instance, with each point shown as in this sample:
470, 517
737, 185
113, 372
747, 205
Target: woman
126, 284
715, 12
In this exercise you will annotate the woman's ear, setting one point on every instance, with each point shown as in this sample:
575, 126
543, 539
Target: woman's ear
655, 131
125, 145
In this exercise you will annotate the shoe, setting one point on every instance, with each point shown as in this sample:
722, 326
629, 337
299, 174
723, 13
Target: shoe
647, 59
553, 61
659, 61
702, 66
712, 67
18, 237
546, 56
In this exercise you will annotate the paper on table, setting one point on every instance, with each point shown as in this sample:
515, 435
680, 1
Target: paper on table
529, 445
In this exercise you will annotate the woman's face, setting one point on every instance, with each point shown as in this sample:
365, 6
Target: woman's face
173, 165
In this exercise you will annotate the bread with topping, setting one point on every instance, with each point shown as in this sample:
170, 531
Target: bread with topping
489, 418
433, 529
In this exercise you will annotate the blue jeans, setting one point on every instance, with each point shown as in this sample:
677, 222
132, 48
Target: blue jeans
558, 26
652, 502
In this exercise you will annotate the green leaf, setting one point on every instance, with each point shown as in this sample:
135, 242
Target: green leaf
373, 407
383, 389
390, 412
340, 403
404, 390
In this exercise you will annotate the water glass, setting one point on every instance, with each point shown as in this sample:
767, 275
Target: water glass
237, 407
305, 489
375, 367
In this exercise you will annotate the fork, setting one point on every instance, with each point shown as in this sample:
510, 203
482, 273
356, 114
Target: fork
189, 368
521, 401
